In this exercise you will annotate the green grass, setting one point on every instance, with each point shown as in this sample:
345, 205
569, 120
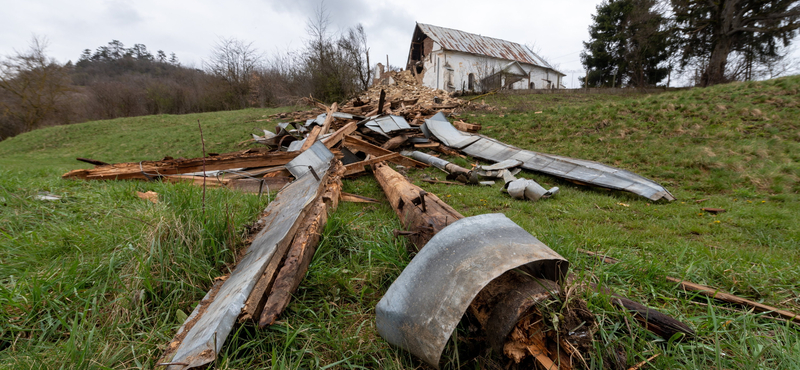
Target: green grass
103, 279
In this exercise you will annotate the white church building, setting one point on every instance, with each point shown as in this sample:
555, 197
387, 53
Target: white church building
453, 60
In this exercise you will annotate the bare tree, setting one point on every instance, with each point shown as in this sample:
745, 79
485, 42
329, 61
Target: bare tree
354, 46
235, 61
31, 85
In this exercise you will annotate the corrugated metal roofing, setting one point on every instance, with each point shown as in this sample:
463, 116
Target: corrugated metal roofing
466, 42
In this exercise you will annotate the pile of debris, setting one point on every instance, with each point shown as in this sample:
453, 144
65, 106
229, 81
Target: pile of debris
400, 94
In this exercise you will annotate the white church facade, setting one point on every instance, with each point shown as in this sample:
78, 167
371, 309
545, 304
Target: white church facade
458, 61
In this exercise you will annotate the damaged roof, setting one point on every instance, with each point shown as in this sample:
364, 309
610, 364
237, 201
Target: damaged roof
466, 42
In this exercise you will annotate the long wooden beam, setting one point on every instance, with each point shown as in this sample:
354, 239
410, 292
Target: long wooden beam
148, 170
374, 150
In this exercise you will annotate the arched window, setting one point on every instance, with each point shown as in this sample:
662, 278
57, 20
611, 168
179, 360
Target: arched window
471, 82
532, 86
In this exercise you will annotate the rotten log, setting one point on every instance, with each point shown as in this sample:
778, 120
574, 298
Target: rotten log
301, 252
149, 170
407, 201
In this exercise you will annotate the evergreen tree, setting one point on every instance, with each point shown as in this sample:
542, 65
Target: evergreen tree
629, 45
711, 31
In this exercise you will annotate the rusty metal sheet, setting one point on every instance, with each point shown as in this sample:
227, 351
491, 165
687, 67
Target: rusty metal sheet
580, 170
206, 329
423, 306
471, 43
443, 130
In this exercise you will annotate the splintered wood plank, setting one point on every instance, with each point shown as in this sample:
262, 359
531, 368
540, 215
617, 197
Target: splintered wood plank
326, 126
363, 146
148, 170
312, 137
300, 254
730, 298
355, 198
261, 292
339, 135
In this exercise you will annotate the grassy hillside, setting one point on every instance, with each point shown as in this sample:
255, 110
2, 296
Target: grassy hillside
102, 278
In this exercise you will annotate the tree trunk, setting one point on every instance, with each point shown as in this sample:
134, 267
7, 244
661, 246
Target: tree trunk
715, 72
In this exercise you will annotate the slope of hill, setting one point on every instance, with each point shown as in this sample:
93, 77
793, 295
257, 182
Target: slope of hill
102, 278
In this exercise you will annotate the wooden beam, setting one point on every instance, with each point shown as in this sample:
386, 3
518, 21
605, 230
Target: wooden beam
339, 135
326, 126
358, 167
300, 253
363, 146
149, 170
311, 138
422, 213
258, 297
730, 298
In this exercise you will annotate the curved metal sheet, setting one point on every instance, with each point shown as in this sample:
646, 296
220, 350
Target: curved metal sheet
580, 170
446, 133
423, 306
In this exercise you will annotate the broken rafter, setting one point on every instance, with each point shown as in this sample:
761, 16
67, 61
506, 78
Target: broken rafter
149, 170
360, 145
359, 167
300, 253
718, 294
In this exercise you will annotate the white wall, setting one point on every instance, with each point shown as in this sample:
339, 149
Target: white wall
463, 64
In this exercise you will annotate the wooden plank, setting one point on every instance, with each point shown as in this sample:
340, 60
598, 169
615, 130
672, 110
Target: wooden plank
426, 145
717, 294
358, 167
339, 135
730, 298
355, 198
311, 138
467, 127
326, 126
148, 170
300, 253
363, 146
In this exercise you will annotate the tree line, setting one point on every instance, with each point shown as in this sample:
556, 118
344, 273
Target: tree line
639, 43
114, 80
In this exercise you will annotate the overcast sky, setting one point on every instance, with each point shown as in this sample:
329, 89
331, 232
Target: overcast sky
190, 28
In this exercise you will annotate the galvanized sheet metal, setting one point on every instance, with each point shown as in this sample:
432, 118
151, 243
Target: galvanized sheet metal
423, 306
211, 326
387, 124
579, 170
317, 156
466, 42
444, 131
